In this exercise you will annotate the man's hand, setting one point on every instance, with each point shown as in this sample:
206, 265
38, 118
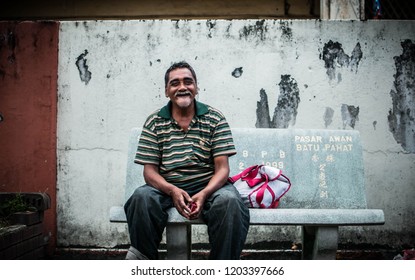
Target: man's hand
188, 207
215, 183
181, 199
197, 205
182, 202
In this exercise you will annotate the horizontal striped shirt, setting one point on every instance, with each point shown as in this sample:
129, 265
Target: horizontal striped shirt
185, 159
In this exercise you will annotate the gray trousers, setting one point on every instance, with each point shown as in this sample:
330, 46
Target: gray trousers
225, 214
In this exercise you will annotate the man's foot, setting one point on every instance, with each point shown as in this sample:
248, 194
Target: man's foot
134, 254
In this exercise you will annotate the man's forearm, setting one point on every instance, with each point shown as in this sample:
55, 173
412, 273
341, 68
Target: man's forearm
153, 178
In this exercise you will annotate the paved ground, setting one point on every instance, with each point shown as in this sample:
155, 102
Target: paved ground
249, 254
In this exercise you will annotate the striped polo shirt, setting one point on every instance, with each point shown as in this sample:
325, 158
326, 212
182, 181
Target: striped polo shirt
185, 159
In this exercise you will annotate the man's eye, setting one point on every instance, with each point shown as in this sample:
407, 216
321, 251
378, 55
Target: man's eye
188, 81
174, 84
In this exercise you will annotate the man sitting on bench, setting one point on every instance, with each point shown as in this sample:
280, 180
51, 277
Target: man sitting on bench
184, 148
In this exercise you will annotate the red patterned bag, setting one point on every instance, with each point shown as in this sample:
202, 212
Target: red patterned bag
261, 186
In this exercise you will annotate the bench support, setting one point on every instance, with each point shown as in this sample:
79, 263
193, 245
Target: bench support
179, 241
320, 243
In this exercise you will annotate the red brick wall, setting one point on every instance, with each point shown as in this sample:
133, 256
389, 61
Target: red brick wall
28, 104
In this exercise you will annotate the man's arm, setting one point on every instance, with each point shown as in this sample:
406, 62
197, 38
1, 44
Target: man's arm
180, 198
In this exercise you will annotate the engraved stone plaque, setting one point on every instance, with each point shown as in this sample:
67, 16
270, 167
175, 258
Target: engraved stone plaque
323, 165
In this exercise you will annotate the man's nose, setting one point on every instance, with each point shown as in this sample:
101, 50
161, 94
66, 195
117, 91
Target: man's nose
182, 86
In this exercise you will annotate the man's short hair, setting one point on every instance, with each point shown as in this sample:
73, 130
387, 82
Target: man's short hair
177, 65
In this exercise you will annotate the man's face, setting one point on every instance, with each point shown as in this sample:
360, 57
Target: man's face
181, 88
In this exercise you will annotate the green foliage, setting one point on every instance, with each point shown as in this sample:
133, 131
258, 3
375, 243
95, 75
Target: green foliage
10, 206
17, 204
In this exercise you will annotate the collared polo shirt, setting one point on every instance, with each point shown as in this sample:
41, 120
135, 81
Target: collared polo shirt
185, 159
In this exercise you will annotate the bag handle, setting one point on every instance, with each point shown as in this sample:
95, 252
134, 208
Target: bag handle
272, 172
261, 192
248, 174
265, 186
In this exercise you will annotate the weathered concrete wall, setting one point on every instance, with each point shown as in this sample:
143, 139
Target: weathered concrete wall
28, 87
303, 74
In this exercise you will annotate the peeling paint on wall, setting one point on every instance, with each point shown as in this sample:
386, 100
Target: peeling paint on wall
328, 116
286, 30
153, 41
262, 111
210, 25
257, 31
357, 55
84, 73
285, 112
84, 24
350, 114
237, 72
374, 125
335, 57
402, 115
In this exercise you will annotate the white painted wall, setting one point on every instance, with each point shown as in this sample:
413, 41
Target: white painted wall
127, 61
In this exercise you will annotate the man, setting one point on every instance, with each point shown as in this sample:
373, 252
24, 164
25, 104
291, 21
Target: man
184, 148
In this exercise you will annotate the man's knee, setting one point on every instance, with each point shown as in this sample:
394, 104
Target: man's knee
229, 193
143, 191
228, 197
142, 197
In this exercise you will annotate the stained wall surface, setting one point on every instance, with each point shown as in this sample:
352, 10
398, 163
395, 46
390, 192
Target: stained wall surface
259, 73
28, 104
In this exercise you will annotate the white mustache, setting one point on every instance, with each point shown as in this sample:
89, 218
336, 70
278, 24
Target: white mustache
182, 93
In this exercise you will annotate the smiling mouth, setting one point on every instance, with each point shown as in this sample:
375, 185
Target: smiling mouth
182, 93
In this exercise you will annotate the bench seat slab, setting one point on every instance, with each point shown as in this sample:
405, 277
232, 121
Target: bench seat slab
312, 217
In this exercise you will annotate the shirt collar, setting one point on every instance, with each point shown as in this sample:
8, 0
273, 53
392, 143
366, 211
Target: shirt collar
201, 109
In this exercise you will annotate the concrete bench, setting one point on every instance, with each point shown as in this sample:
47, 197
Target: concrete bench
327, 175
